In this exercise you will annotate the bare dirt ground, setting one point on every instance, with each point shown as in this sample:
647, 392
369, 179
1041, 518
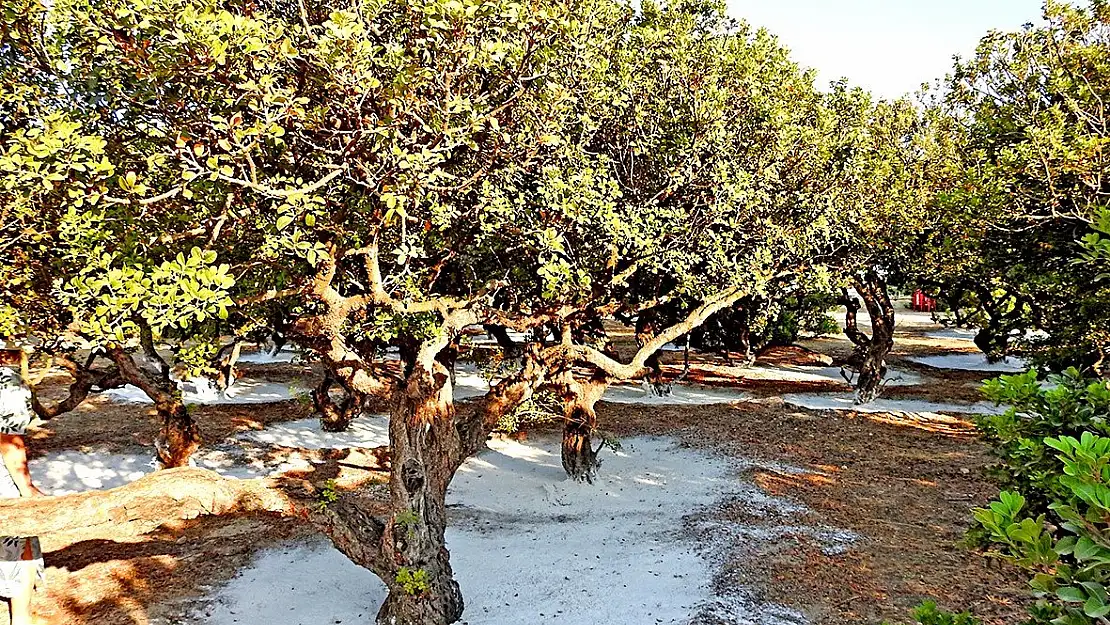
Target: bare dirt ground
904, 485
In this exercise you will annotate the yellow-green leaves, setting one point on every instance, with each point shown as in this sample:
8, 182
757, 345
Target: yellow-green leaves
110, 293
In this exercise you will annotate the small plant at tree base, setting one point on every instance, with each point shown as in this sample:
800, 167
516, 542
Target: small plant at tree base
329, 494
409, 520
412, 581
609, 440
929, 614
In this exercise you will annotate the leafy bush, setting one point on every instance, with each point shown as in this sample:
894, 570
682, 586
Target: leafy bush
1053, 521
929, 614
1066, 404
762, 322
542, 407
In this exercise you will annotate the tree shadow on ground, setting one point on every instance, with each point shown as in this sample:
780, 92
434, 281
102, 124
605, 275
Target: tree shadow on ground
162, 574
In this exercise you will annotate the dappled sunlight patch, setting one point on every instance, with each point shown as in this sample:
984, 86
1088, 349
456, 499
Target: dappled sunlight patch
528, 545
72, 471
927, 421
780, 484
367, 431
801, 373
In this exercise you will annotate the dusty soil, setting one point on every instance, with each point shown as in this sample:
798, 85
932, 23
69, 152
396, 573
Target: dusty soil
904, 485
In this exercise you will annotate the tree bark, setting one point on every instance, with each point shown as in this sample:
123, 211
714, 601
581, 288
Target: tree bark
186, 493
426, 452
179, 436
579, 423
500, 334
225, 361
871, 351
647, 329
336, 417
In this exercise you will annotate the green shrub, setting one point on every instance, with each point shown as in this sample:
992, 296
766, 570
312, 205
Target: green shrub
929, 614
1067, 404
1053, 521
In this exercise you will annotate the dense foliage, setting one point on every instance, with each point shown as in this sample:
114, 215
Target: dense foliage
180, 175
1029, 185
392, 172
1051, 521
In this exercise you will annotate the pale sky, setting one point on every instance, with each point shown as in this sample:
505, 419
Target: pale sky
887, 46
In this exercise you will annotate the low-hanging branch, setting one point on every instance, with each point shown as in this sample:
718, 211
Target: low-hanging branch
186, 493
637, 366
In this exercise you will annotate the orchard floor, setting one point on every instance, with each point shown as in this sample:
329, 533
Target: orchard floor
901, 484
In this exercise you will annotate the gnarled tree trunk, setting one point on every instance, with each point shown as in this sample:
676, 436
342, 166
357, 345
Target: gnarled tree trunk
336, 416
426, 451
179, 436
226, 359
870, 353
647, 327
579, 423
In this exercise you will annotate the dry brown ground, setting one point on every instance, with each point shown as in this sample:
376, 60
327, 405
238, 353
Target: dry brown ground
905, 486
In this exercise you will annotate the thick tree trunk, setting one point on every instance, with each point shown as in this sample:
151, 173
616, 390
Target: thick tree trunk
579, 423
225, 360
871, 352
179, 436
646, 330
336, 417
426, 451
504, 341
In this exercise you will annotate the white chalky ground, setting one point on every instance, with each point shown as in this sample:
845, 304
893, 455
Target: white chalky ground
846, 401
201, 391
529, 546
265, 357
679, 395
972, 362
801, 373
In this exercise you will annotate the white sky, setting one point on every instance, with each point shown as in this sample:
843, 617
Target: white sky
887, 46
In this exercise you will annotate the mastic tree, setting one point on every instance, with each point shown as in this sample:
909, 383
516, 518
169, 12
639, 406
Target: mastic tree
1022, 238
727, 141
877, 170
95, 266
393, 172
1029, 120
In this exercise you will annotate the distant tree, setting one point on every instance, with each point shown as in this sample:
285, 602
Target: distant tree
880, 156
1031, 184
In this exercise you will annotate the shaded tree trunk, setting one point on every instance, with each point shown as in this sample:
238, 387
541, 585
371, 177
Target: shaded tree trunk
179, 435
336, 416
579, 423
869, 357
1004, 321
646, 328
225, 370
500, 334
